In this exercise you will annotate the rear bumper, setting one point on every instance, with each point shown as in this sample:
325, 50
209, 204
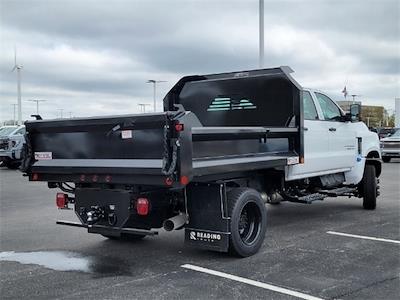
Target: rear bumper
108, 230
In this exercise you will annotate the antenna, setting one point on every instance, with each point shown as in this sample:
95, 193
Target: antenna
18, 68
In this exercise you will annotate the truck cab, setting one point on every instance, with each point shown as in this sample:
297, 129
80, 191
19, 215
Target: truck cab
332, 143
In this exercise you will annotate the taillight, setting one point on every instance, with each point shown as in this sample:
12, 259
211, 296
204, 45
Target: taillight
62, 200
142, 206
168, 181
184, 180
179, 127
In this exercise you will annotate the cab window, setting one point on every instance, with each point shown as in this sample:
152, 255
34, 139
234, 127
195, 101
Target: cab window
310, 112
329, 109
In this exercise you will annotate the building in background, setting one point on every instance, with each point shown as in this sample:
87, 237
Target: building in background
373, 116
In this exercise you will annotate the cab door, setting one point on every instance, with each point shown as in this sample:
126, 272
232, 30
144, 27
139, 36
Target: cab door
341, 135
316, 143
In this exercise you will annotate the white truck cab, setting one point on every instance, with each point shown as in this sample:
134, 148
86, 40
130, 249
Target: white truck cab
332, 143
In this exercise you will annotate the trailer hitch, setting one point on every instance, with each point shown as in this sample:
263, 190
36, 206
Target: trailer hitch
96, 214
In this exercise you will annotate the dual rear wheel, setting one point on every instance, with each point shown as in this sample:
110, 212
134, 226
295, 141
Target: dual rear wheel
248, 221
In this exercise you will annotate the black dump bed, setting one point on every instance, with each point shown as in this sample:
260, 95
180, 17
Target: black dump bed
212, 127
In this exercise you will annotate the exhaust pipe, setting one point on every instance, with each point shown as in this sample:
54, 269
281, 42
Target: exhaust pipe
176, 222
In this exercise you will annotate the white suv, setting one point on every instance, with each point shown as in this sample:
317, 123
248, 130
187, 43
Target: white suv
11, 141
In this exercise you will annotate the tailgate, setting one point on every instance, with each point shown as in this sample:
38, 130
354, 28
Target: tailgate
97, 147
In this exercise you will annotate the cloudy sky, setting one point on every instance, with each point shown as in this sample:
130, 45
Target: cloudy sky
94, 57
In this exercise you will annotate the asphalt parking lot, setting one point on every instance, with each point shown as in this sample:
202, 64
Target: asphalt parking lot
299, 258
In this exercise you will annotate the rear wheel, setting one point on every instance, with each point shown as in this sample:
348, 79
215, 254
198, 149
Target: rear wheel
248, 221
386, 159
369, 187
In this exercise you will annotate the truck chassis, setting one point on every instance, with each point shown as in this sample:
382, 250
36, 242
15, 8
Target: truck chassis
207, 164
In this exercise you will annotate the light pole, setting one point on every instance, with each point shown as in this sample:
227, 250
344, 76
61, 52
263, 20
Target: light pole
261, 32
19, 95
37, 103
143, 107
154, 82
354, 98
61, 112
14, 105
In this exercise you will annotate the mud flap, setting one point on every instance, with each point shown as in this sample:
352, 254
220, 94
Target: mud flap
209, 222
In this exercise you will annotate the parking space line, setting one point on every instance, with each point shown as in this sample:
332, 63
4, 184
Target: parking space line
364, 237
251, 282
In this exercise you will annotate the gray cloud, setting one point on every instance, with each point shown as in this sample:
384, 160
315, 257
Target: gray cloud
101, 53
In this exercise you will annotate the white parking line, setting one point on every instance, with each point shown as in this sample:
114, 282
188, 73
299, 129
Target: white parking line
364, 237
251, 282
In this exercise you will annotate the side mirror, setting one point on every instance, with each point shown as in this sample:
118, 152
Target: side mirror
355, 112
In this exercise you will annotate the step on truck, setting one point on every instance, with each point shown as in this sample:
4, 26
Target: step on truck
224, 146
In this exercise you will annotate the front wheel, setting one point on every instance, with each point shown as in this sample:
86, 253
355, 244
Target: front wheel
248, 221
369, 187
386, 159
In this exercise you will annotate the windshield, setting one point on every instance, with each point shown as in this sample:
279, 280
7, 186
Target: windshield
396, 134
5, 131
386, 130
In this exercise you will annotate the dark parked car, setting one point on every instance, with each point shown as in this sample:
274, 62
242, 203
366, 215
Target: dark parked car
384, 131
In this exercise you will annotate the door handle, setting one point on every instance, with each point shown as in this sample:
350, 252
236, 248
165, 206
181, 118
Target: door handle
332, 129
305, 128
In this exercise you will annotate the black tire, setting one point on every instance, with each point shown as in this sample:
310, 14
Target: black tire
369, 187
125, 237
13, 165
248, 221
386, 159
